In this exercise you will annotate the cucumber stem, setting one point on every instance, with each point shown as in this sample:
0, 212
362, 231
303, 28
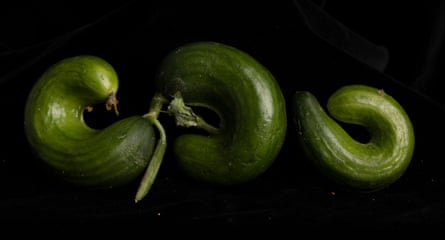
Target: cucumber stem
185, 116
111, 103
158, 155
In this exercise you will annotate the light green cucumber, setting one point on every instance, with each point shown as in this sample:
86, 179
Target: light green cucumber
364, 166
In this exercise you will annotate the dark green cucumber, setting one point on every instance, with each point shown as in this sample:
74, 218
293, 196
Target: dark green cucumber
365, 166
247, 100
55, 127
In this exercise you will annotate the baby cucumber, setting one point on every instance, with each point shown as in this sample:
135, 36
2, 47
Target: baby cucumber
365, 166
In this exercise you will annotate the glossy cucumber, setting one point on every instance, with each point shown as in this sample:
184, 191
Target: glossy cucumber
242, 93
55, 127
365, 166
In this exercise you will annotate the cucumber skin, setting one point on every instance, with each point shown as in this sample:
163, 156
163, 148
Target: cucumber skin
68, 147
366, 167
244, 95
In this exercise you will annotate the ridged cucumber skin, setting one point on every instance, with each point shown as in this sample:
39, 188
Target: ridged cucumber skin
70, 149
248, 101
354, 165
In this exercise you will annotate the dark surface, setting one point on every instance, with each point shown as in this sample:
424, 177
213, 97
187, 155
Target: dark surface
394, 47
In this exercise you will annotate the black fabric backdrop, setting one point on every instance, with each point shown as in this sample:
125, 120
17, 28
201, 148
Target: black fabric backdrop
307, 45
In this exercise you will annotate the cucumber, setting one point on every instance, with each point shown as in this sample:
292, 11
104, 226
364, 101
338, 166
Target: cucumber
366, 166
59, 136
245, 97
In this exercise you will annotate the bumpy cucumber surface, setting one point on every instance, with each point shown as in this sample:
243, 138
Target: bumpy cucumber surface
55, 127
242, 93
364, 166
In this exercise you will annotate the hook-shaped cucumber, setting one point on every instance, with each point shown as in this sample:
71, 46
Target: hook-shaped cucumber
243, 94
55, 127
365, 166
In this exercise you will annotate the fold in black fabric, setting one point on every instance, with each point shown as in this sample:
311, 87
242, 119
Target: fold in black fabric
340, 36
20, 51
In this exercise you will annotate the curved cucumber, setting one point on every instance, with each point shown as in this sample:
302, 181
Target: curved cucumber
368, 166
56, 130
247, 100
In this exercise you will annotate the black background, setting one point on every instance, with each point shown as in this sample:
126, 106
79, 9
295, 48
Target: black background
307, 45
